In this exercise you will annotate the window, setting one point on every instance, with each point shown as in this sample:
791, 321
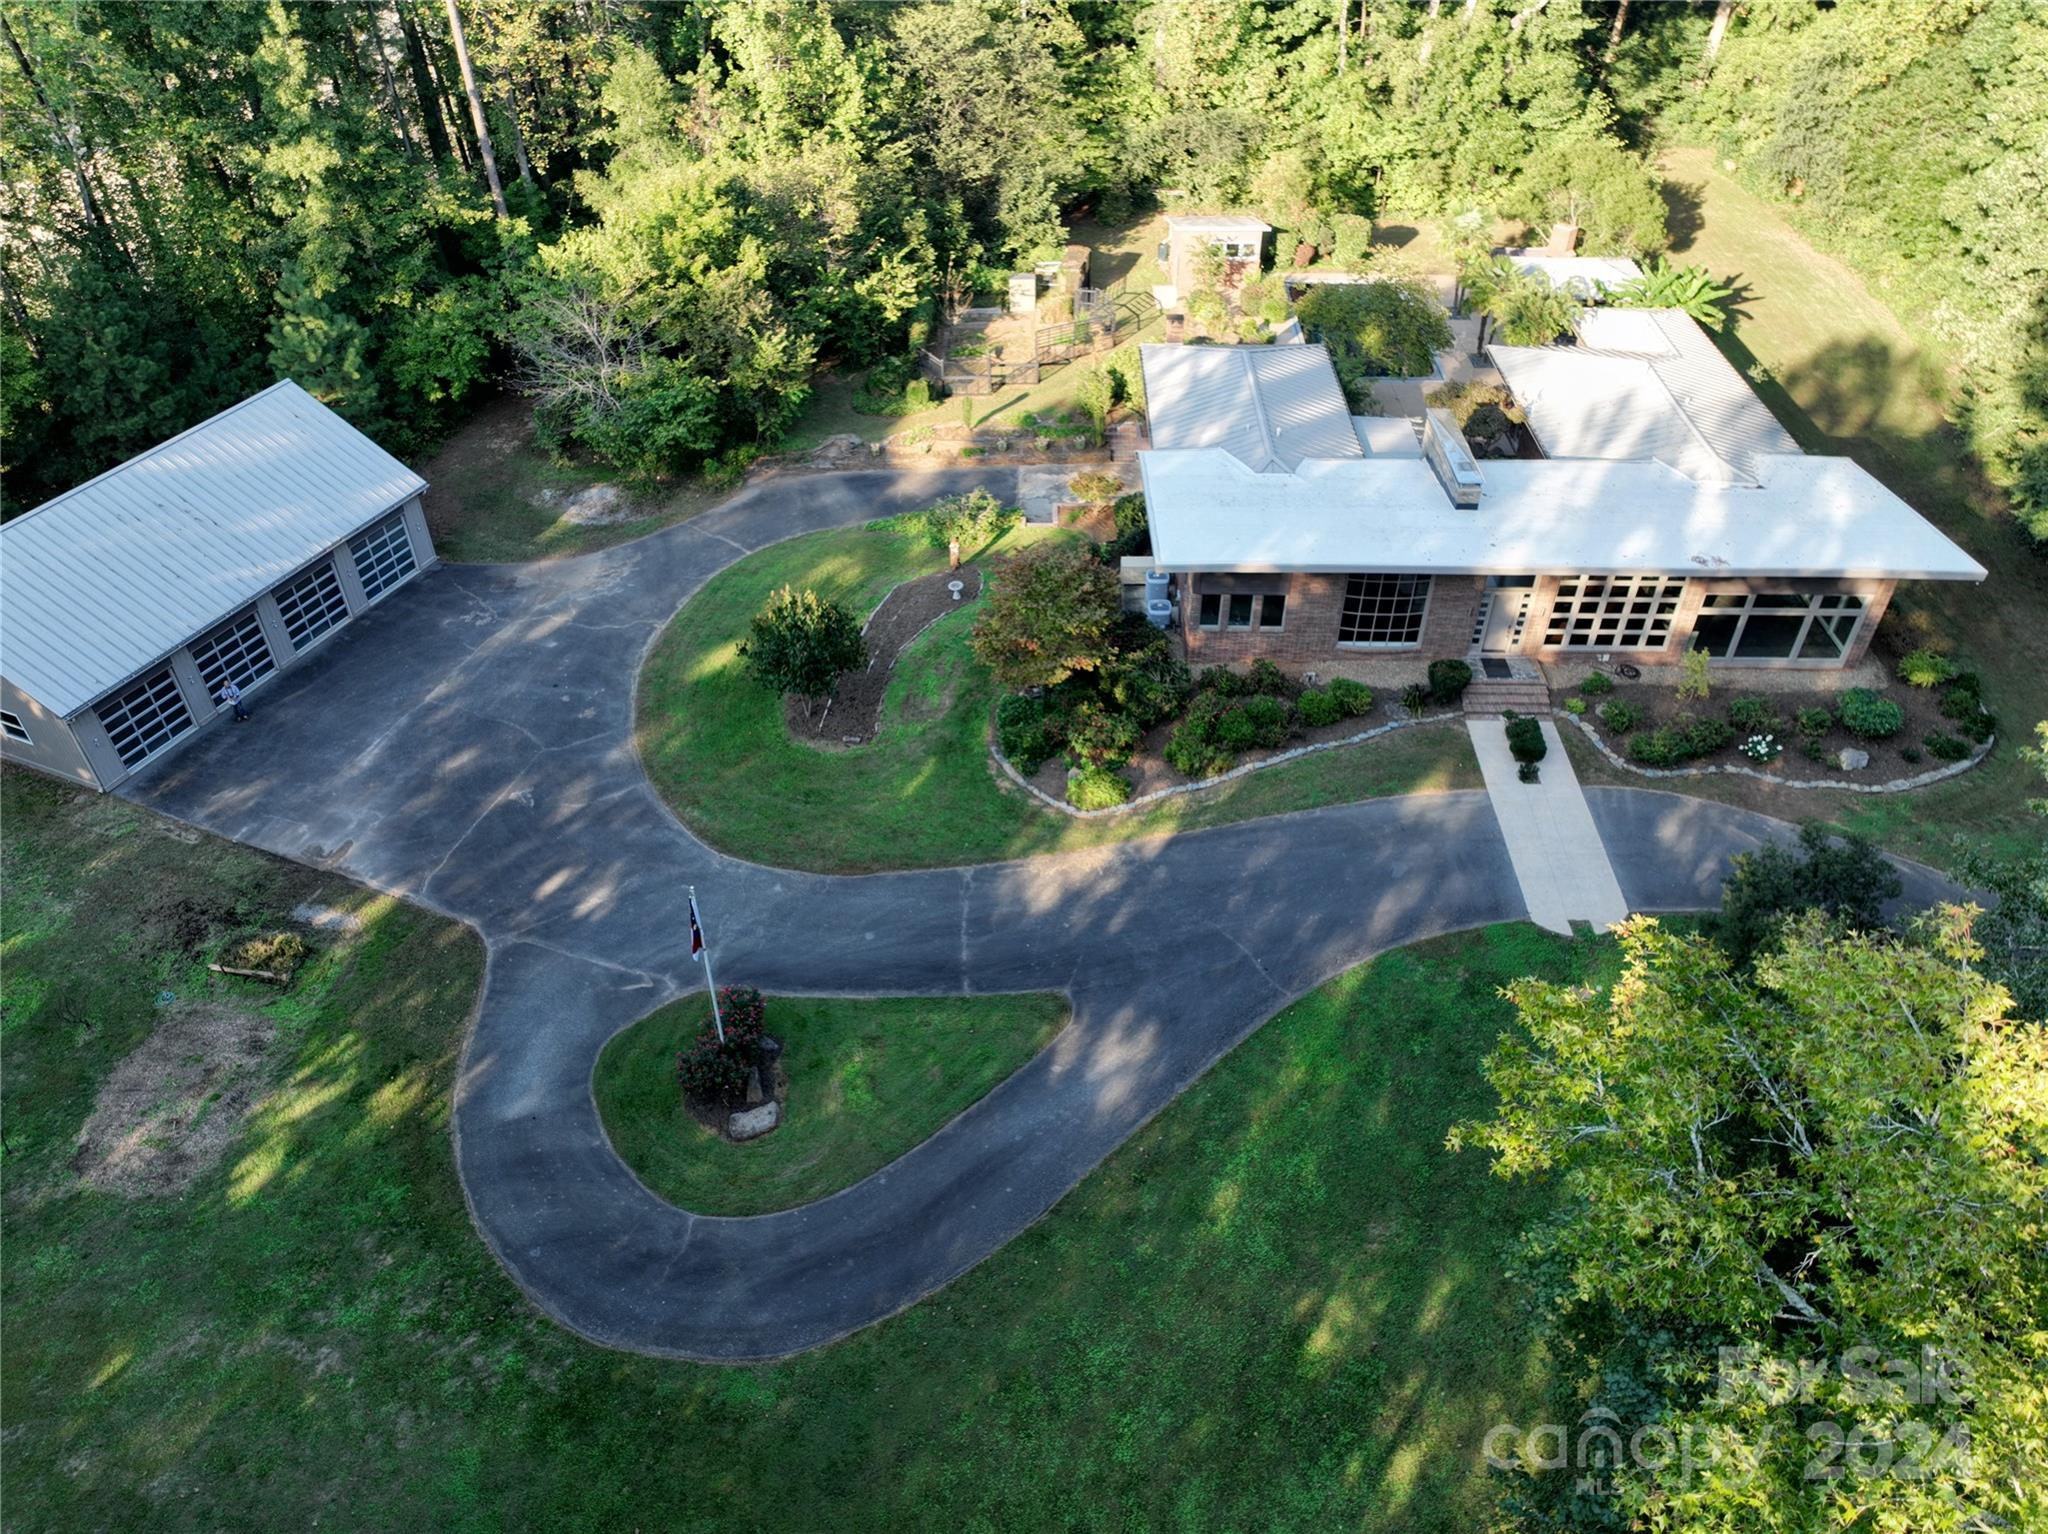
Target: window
147, 717
1212, 610
1383, 610
1274, 614
1238, 250
13, 728
312, 604
1241, 610
235, 652
1778, 625
383, 555
1601, 612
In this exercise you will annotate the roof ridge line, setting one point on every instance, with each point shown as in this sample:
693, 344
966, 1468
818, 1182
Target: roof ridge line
1251, 378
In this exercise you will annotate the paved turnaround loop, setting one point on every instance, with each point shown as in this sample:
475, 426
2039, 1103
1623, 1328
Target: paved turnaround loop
468, 744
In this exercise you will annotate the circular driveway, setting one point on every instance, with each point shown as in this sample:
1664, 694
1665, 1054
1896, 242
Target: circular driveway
468, 744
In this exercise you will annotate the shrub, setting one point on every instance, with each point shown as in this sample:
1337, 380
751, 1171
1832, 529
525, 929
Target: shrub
1868, 716
1026, 733
1318, 707
976, 519
1260, 722
800, 644
1849, 880
712, 1074
1575, 706
1762, 748
1097, 788
1693, 685
1268, 679
1415, 698
1658, 748
1355, 698
1969, 713
1448, 680
1944, 747
917, 394
1753, 714
1528, 772
1910, 753
1925, 668
1525, 739
1098, 488
1101, 735
1151, 686
1224, 682
278, 953
1812, 723
1192, 749
1596, 683
1703, 737
1965, 682
1620, 715
1049, 615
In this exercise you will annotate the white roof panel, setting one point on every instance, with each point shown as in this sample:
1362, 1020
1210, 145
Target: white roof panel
1217, 223
1270, 406
107, 577
1582, 276
1807, 517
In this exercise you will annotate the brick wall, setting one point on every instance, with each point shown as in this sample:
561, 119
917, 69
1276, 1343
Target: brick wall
1315, 605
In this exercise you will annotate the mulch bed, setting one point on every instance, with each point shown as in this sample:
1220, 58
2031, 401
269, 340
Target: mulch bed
1660, 706
714, 1117
856, 709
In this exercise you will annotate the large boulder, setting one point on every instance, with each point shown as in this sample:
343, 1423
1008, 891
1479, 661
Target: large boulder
752, 1123
1850, 759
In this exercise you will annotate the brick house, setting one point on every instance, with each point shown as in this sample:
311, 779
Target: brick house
1669, 509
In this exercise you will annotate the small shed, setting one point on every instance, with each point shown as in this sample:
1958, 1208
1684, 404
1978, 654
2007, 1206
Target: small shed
1241, 237
226, 554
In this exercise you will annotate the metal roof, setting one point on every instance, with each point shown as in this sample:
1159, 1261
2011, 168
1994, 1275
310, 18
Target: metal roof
1807, 517
106, 578
1581, 276
1268, 406
1643, 383
1217, 223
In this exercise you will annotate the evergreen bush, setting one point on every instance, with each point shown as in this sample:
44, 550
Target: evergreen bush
1870, 717
1097, 788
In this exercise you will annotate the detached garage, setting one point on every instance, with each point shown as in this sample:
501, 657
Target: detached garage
224, 555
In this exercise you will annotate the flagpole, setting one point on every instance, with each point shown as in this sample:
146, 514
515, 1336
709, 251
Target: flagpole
710, 984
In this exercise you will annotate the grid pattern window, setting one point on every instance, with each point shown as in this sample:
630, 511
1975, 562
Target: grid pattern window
12, 727
1383, 610
235, 652
1595, 612
312, 604
383, 555
1778, 625
145, 718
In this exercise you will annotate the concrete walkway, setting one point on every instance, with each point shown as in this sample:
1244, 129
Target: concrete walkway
468, 744
1560, 861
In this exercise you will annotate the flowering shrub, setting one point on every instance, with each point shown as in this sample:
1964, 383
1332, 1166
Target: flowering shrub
712, 1073
1762, 748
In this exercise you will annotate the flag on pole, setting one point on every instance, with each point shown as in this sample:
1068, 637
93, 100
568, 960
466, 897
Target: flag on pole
696, 934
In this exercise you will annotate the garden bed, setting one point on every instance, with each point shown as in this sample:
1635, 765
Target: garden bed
1934, 728
855, 712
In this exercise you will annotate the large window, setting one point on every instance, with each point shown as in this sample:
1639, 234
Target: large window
312, 604
1242, 610
235, 652
383, 555
1778, 625
145, 718
1383, 610
1601, 612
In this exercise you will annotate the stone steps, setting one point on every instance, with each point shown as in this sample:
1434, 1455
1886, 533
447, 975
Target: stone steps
1487, 698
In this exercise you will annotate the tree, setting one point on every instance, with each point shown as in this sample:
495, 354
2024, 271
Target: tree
1525, 308
974, 520
1840, 1160
1664, 286
476, 108
1845, 879
1049, 614
1587, 179
315, 345
800, 644
1387, 328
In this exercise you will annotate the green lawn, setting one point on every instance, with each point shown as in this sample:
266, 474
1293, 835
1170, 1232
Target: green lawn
494, 497
1845, 377
869, 1079
1282, 1306
924, 793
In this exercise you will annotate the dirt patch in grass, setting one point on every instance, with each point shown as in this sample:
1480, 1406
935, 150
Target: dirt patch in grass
170, 1110
855, 711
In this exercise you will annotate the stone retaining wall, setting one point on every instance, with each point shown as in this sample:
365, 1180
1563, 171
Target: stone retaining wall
1895, 786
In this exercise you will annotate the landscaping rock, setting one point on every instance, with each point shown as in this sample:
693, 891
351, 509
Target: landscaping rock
755, 1096
837, 448
1849, 759
752, 1123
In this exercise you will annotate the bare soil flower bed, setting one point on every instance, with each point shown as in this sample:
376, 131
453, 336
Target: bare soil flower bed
856, 708
1900, 755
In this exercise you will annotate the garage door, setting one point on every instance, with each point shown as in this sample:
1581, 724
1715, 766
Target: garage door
383, 555
145, 718
312, 604
235, 652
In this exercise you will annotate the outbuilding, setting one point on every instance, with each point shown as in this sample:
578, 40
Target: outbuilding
1240, 238
226, 554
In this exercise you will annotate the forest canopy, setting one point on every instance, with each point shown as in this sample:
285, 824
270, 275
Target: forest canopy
660, 220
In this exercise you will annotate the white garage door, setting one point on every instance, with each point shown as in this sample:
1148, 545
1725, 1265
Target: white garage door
144, 718
383, 555
235, 652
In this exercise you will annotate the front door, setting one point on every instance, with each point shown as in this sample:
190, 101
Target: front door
1507, 612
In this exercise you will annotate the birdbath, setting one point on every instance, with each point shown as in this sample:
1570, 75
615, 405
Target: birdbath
956, 587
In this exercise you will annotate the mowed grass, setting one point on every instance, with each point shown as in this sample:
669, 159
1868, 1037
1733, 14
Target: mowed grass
1281, 1306
494, 497
1846, 377
924, 793
869, 1079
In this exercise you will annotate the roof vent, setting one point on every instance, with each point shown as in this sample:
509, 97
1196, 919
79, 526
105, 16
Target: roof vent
1443, 445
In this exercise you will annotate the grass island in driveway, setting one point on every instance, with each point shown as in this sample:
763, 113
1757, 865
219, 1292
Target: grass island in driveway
924, 793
